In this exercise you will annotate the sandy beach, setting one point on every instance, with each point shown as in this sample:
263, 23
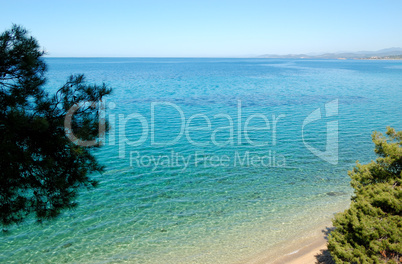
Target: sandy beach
314, 253
310, 249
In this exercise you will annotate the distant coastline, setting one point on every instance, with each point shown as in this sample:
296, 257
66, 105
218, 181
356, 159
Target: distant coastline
395, 57
384, 54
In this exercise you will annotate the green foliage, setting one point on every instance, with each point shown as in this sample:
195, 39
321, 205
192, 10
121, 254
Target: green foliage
41, 170
371, 230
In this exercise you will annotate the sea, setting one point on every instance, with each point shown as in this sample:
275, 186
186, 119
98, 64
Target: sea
214, 160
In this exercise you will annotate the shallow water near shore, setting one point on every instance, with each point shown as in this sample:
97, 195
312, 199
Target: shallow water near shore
215, 160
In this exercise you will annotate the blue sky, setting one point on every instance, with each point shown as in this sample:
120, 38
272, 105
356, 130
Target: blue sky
207, 28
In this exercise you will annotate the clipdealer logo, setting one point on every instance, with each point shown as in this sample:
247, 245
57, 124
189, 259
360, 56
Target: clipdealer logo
330, 154
238, 134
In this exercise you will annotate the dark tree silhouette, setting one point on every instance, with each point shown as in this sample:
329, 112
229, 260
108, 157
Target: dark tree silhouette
41, 170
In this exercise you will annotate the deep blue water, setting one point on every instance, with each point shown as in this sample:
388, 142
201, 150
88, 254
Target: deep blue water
215, 160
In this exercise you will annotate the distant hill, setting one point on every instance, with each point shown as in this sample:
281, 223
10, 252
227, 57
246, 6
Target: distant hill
342, 55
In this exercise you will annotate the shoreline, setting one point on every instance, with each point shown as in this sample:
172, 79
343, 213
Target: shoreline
305, 250
315, 252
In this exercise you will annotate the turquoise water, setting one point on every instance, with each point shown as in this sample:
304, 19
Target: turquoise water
189, 178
